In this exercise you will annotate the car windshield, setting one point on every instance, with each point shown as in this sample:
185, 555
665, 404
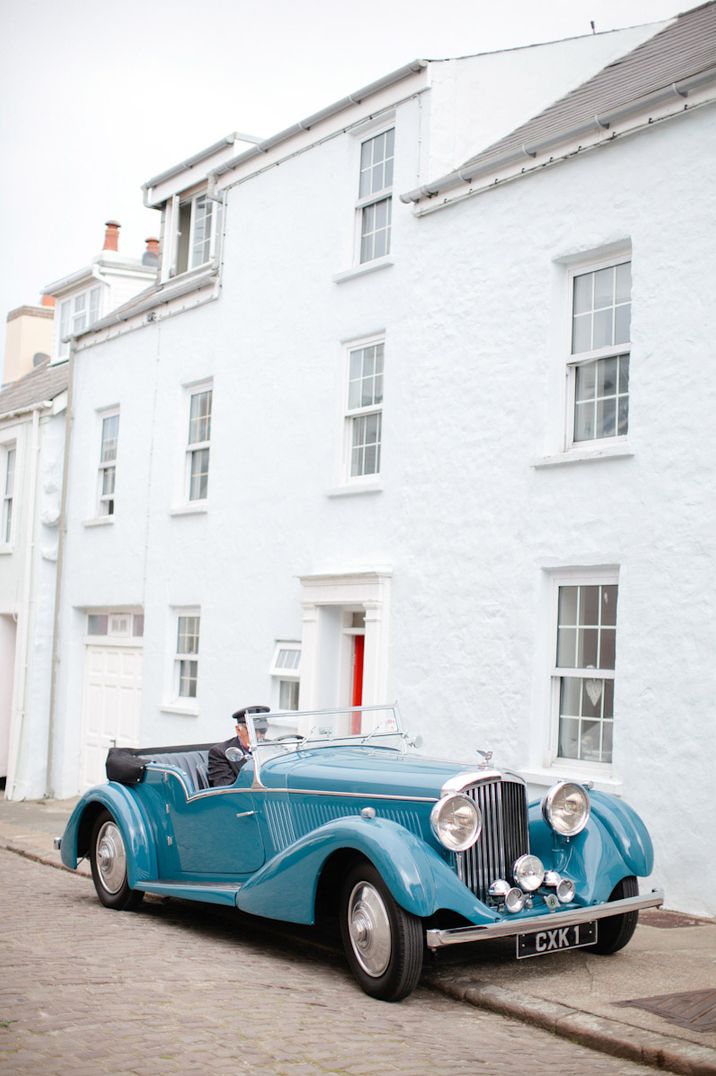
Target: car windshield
379, 725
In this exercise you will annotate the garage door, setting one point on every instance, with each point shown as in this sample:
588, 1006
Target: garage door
111, 704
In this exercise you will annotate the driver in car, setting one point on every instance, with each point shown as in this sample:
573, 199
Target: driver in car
223, 770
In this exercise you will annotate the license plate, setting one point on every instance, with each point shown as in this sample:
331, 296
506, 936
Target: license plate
556, 940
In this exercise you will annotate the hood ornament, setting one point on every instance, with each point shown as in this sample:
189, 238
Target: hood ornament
486, 759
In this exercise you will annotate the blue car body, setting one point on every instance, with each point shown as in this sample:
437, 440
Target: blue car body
294, 820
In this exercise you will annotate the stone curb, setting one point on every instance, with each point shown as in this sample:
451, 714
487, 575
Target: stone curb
597, 1032
39, 857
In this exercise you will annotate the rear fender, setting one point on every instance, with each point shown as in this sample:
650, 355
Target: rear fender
419, 880
135, 830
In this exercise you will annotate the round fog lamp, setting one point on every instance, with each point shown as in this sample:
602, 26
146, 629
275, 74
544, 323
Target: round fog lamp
499, 888
552, 878
528, 872
565, 891
566, 808
456, 822
515, 900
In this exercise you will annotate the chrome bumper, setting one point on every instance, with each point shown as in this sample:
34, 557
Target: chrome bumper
436, 939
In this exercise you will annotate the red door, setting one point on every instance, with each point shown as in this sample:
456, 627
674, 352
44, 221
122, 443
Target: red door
357, 694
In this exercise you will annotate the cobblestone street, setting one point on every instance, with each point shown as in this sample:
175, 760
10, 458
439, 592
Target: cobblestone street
178, 988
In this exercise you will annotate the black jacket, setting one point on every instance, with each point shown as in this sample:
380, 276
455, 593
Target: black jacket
221, 770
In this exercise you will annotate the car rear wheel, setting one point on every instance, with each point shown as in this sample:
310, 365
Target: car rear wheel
383, 943
108, 859
614, 933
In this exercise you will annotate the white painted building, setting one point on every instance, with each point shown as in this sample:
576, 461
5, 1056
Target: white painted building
32, 444
389, 449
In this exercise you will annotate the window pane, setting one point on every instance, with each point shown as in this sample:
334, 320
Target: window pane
570, 696
607, 648
623, 286
97, 624
590, 749
568, 738
587, 648
199, 475
288, 695
138, 625
603, 333
188, 634
592, 698
568, 597
110, 432
603, 288
586, 381
622, 324
9, 472
188, 671
606, 418
606, 377
589, 606
108, 478
200, 417
584, 422
567, 648
582, 334
582, 293
609, 604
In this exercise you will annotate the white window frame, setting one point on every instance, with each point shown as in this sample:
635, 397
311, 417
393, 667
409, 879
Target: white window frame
373, 198
8, 494
179, 204
192, 448
122, 627
77, 313
282, 674
577, 577
584, 358
187, 701
353, 415
106, 503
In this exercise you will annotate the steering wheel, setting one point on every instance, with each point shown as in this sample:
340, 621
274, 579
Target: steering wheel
290, 736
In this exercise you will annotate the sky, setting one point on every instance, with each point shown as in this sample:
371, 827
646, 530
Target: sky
100, 95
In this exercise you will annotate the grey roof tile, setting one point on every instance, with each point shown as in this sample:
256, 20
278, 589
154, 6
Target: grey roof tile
44, 383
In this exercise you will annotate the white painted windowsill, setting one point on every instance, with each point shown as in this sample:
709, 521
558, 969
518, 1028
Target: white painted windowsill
183, 711
584, 455
549, 776
352, 491
362, 270
200, 508
6, 550
99, 521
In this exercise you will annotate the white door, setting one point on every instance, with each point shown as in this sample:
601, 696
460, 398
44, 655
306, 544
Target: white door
111, 702
7, 671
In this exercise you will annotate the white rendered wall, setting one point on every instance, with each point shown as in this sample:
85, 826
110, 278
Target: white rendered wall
469, 526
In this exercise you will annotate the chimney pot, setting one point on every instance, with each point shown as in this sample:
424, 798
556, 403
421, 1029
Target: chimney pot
151, 254
111, 235
47, 300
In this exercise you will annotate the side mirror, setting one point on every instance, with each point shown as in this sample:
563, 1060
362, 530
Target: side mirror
234, 754
416, 742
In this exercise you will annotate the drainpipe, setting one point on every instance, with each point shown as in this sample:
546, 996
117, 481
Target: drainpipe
27, 603
56, 624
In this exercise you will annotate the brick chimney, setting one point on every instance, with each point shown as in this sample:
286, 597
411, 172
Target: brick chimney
151, 254
111, 235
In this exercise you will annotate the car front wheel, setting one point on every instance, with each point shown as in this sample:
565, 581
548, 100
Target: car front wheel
382, 942
614, 933
108, 859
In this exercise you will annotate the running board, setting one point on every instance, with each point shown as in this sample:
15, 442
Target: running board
208, 893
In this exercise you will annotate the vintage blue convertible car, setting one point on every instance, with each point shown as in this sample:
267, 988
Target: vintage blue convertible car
343, 817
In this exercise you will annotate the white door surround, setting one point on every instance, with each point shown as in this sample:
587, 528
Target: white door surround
326, 645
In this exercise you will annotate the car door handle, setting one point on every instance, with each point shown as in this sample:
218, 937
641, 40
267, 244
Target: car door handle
245, 814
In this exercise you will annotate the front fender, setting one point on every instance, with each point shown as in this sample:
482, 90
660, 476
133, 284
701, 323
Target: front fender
135, 830
419, 880
627, 830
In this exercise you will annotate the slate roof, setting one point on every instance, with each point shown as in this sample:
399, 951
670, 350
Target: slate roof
683, 49
43, 383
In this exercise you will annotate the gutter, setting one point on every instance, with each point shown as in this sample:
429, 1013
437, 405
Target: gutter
344, 103
43, 405
165, 295
191, 162
472, 170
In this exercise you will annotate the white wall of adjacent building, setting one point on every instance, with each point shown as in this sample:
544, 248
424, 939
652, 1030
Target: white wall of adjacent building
453, 552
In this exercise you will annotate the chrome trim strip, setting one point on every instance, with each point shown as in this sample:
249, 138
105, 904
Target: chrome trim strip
437, 939
463, 780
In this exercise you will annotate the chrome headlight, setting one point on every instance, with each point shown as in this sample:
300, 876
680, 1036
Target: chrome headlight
528, 872
456, 822
566, 808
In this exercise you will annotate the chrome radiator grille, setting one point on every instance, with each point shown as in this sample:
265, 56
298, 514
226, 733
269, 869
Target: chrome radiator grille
504, 835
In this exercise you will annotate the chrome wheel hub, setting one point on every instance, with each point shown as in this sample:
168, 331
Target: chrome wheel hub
369, 929
111, 858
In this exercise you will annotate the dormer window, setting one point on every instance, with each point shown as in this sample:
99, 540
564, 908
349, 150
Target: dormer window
76, 314
195, 234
